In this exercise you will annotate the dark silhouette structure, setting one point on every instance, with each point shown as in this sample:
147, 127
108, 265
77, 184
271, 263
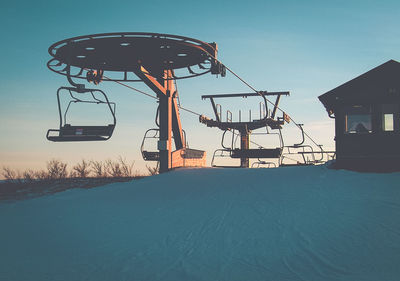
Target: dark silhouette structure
68, 132
240, 130
367, 119
154, 59
245, 128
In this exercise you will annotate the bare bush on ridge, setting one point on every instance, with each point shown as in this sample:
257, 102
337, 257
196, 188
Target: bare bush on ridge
98, 169
126, 168
113, 168
56, 169
57, 177
28, 175
41, 175
152, 170
9, 174
82, 169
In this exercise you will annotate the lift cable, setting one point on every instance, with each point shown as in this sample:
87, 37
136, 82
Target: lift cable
252, 88
181, 107
198, 114
132, 88
151, 96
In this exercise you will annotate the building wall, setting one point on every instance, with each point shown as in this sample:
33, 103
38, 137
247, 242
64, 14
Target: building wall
374, 144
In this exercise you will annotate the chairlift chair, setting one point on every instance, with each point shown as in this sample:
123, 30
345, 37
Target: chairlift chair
261, 163
307, 153
154, 154
71, 133
150, 155
245, 128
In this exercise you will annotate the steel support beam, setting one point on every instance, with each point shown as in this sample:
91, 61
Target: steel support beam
217, 117
275, 106
244, 95
176, 125
244, 145
158, 86
164, 143
170, 122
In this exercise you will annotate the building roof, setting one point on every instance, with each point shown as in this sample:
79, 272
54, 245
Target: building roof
381, 83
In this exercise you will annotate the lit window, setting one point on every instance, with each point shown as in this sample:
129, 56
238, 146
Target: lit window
389, 113
358, 123
388, 122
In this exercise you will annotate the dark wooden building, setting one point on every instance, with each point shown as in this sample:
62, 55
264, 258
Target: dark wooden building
367, 119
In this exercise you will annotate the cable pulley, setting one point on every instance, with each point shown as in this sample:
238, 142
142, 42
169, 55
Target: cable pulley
218, 68
94, 76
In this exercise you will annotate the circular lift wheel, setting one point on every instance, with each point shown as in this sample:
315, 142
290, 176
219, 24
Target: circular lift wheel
126, 52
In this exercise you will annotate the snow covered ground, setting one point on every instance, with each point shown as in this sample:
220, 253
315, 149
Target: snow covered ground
295, 223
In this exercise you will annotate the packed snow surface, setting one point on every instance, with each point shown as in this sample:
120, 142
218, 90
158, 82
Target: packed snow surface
295, 223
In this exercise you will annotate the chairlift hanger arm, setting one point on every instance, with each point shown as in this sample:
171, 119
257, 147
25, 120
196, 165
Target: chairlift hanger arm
73, 97
99, 101
300, 126
111, 105
66, 111
78, 86
59, 108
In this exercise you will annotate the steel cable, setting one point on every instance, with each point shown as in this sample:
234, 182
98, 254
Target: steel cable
244, 82
252, 88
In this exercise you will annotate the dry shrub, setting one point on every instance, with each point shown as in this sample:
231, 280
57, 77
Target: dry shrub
152, 170
113, 169
126, 168
138, 174
81, 170
9, 174
56, 169
98, 168
41, 175
28, 175
119, 168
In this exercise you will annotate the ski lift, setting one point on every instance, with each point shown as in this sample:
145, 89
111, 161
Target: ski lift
261, 163
307, 153
68, 132
245, 128
153, 134
150, 155
232, 150
274, 152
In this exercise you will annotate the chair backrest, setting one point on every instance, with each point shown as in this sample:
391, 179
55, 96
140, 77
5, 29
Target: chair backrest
257, 153
151, 155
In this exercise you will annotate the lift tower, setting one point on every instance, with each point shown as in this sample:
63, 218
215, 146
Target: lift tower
155, 59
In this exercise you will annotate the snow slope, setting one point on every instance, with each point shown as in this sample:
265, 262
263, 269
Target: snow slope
295, 223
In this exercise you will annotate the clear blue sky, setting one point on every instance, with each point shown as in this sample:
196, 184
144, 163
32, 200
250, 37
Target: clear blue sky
306, 47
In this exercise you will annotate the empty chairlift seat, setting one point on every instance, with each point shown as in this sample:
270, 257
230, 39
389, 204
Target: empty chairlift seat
151, 155
151, 135
81, 133
68, 132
